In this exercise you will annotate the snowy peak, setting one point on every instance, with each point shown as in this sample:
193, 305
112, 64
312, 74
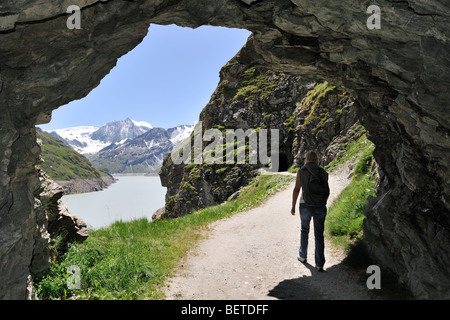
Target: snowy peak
141, 124
79, 138
120, 131
89, 139
179, 134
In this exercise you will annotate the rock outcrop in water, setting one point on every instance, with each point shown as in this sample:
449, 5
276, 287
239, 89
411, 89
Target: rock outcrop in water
399, 75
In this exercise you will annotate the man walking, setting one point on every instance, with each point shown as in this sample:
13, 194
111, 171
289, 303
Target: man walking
313, 180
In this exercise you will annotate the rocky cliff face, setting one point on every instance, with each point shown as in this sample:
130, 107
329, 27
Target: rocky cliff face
307, 115
247, 99
399, 75
54, 221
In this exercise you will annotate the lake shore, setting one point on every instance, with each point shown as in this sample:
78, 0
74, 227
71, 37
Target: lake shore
152, 174
77, 186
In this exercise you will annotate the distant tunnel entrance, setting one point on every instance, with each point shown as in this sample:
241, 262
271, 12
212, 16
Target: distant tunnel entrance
283, 163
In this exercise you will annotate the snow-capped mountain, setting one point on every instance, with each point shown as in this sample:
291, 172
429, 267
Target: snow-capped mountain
120, 131
142, 154
88, 140
124, 146
80, 139
179, 134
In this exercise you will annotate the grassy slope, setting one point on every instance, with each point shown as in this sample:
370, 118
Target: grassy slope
62, 162
345, 215
131, 260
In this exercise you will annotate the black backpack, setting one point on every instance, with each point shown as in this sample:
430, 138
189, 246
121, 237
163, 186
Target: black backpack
315, 187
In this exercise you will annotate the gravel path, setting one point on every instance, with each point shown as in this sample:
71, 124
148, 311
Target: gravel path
253, 255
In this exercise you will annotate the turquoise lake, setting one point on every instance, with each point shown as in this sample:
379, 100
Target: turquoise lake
131, 197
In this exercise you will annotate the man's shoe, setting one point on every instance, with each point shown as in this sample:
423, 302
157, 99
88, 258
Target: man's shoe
302, 260
320, 269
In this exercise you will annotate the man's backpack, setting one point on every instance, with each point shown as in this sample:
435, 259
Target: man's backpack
315, 186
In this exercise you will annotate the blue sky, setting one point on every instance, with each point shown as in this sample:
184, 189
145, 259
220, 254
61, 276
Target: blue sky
166, 80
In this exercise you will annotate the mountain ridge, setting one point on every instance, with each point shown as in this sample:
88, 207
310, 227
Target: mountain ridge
91, 139
143, 154
124, 146
68, 168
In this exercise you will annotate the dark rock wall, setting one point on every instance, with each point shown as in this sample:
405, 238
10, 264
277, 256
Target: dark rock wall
53, 221
399, 75
246, 98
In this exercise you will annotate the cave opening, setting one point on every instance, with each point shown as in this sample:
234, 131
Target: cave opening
129, 182
283, 164
140, 111
413, 113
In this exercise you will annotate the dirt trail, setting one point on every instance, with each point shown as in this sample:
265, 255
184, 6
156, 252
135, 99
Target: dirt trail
253, 255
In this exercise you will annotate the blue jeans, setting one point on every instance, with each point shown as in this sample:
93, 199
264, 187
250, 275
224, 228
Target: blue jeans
318, 214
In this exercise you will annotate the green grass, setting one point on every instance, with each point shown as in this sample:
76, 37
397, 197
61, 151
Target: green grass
255, 85
343, 224
345, 216
351, 152
312, 103
131, 260
318, 113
